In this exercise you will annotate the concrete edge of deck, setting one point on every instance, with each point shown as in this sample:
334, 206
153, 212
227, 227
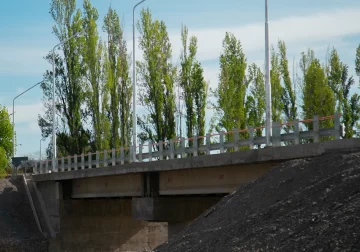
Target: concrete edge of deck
226, 159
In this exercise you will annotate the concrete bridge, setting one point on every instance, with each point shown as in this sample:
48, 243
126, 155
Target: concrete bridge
114, 204
140, 205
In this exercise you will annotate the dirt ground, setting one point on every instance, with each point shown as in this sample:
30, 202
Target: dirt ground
18, 230
302, 205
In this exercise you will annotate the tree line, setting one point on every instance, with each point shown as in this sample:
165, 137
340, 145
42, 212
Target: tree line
94, 87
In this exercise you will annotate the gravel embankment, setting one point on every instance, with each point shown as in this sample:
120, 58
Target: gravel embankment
302, 205
18, 230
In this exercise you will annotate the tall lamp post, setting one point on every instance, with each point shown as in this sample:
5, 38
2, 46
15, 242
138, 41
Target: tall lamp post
13, 114
79, 34
134, 85
268, 128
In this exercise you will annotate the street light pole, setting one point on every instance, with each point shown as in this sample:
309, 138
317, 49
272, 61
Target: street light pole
53, 91
134, 85
13, 114
268, 129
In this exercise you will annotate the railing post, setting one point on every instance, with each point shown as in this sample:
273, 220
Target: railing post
208, 148
182, 143
122, 155
316, 128
41, 167
236, 139
195, 146
113, 157
337, 125
150, 151
140, 153
171, 149
251, 137
222, 142
82, 161
97, 159
46, 166
276, 137
90, 160
296, 132
55, 166
105, 158
62, 164
161, 150
131, 150
75, 162
69, 163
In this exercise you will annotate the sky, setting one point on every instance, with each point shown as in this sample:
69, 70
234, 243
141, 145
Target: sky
26, 37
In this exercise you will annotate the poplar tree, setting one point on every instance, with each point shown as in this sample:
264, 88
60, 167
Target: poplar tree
72, 137
231, 91
156, 76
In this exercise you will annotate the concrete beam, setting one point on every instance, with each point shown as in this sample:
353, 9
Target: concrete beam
129, 185
210, 180
171, 209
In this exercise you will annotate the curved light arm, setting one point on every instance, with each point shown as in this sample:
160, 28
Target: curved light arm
13, 113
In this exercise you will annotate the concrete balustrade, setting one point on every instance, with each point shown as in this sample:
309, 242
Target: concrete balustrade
211, 144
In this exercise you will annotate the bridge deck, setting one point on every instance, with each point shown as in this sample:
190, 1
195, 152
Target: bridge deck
219, 160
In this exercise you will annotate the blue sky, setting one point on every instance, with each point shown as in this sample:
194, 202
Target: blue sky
25, 28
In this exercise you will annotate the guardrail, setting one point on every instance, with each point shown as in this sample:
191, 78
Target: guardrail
198, 145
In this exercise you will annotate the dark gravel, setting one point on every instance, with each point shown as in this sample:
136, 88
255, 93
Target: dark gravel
18, 230
302, 205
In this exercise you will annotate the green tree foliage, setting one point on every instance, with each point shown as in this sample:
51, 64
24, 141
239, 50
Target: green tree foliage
200, 92
350, 107
6, 132
4, 162
112, 28
231, 90
318, 98
157, 76
288, 96
335, 71
194, 86
255, 102
187, 64
69, 71
276, 88
357, 62
92, 61
118, 81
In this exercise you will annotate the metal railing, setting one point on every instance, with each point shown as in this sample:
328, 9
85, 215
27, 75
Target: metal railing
288, 133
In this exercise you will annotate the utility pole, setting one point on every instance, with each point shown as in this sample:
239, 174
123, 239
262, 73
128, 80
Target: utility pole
268, 129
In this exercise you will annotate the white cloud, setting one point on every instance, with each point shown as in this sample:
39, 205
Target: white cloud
26, 114
22, 60
313, 28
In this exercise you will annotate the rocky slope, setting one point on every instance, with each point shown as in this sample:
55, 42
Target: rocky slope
302, 205
18, 230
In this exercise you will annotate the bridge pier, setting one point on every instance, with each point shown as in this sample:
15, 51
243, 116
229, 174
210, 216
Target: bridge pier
101, 224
